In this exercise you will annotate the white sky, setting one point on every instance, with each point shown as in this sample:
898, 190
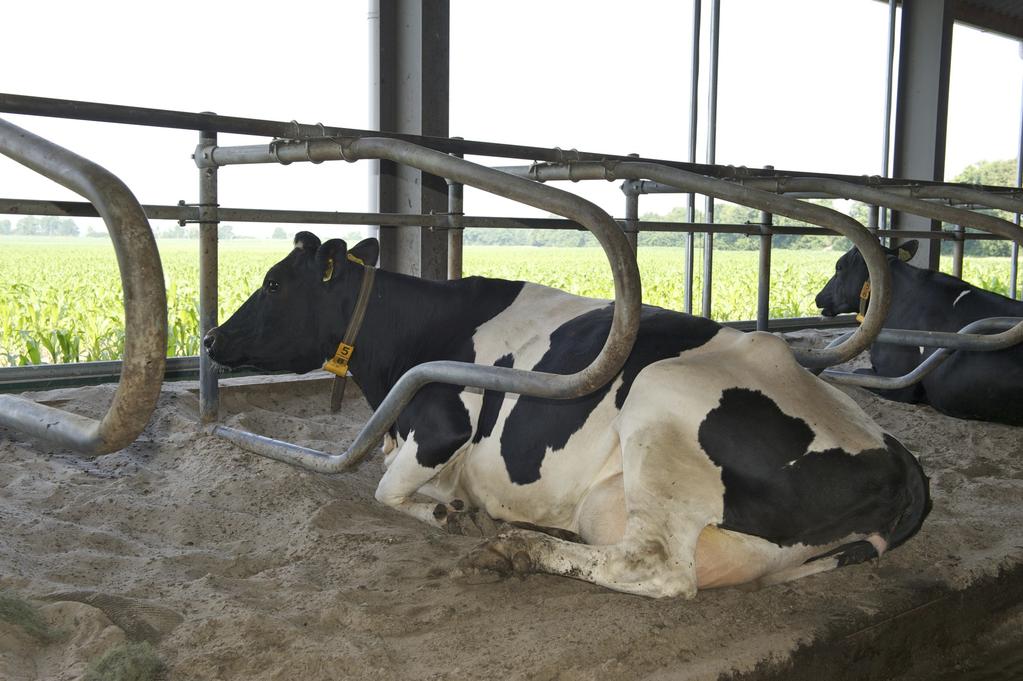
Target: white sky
801, 87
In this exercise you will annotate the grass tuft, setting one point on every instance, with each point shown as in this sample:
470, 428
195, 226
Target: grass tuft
21, 613
127, 662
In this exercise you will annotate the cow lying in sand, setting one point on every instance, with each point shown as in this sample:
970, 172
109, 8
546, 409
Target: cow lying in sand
973, 385
712, 459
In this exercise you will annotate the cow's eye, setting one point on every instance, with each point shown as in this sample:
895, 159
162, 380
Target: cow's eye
838, 268
273, 286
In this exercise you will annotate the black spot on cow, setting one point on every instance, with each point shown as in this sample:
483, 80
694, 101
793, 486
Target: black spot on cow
778, 489
491, 407
536, 424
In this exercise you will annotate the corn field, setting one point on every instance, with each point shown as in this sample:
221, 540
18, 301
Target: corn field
60, 300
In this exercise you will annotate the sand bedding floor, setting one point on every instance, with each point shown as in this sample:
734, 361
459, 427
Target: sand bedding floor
238, 567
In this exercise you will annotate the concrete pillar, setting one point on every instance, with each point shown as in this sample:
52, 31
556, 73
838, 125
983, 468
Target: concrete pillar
921, 115
409, 43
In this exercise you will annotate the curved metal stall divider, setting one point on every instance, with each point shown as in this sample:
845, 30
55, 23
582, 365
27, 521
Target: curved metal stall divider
608, 362
145, 304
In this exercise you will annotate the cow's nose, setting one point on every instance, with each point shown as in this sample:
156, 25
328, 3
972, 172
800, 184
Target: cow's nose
209, 340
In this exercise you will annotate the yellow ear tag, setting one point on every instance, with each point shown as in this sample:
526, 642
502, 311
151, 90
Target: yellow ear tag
904, 255
356, 259
330, 270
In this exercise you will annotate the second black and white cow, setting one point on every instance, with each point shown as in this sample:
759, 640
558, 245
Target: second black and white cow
712, 459
974, 385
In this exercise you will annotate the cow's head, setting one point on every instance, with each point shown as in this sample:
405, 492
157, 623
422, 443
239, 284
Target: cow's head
291, 322
842, 292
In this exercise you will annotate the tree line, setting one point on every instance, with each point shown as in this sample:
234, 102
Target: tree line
36, 225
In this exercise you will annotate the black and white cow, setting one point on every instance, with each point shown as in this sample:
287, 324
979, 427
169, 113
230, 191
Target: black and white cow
974, 385
712, 459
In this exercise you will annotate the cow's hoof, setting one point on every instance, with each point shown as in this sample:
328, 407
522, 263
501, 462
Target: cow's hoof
504, 555
469, 523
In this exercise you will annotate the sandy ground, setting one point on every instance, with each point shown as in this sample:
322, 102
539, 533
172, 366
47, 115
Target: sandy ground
238, 567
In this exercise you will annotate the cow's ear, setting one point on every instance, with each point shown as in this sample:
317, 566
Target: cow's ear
329, 257
367, 251
908, 250
307, 241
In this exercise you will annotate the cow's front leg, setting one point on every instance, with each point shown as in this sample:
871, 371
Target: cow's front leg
438, 429
404, 477
645, 568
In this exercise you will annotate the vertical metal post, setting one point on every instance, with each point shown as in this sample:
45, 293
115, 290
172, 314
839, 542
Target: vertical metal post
889, 77
373, 165
921, 116
764, 274
958, 249
1014, 263
412, 69
694, 110
632, 217
209, 398
712, 121
456, 209
872, 217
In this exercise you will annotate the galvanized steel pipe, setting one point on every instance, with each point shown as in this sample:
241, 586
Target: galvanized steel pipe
965, 339
145, 304
624, 324
907, 204
776, 204
209, 225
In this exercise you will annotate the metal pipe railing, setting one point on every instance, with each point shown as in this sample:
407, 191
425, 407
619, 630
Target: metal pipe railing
908, 204
689, 262
706, 301
439, 221
209, 224
184, 120
886, 132
145, 304
456, 210
947, 343
765, 201
624, 324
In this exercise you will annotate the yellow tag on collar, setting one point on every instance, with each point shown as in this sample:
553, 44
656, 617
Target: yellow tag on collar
338, 365
864, 297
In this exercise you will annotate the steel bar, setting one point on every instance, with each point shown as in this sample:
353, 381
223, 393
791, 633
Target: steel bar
965, 339
887, 128
767, 201
209, 223
706, 304
145, 304
958, 250
183, 120
647, 187
764, 273
184, 213
689, 262
45, 376
1014, 262
631, 226
905, 204
456, 230
456, 211
899, 202
625, 319
1008, 200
